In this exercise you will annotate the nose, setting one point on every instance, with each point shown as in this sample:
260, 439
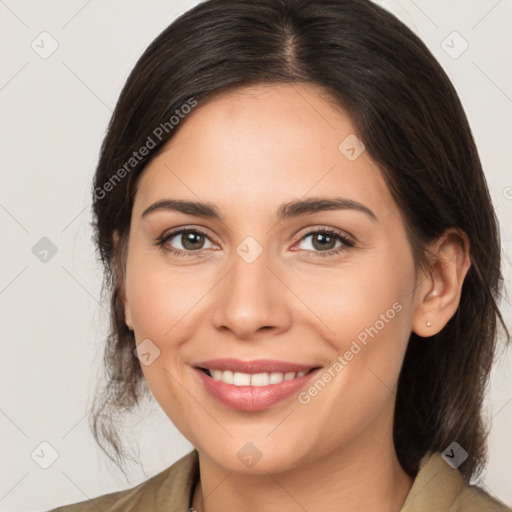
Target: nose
251, 299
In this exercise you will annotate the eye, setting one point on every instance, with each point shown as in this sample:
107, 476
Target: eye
322, 241
190, 240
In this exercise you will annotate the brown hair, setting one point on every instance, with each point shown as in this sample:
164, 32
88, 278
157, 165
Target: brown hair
411, 121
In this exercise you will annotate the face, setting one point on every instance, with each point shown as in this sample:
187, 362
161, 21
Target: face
327, 289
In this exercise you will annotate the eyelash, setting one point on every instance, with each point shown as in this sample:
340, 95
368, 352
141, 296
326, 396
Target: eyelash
162, 240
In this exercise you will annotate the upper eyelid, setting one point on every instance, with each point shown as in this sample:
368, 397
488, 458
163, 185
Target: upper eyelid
321, 229
179, 231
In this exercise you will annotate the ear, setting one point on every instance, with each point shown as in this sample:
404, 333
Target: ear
120, 277
438, 296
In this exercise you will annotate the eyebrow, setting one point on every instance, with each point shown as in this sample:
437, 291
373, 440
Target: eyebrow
289, 210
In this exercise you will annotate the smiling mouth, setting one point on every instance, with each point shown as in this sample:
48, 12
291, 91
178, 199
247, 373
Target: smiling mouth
254, 379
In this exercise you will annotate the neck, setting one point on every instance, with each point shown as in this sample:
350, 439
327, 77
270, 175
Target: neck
364, 475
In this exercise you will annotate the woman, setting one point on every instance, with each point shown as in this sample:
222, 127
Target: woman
285, 205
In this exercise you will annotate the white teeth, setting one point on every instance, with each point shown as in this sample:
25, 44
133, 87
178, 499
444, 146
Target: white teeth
227, 377
255, 379
241, 379
260, 379
275, 378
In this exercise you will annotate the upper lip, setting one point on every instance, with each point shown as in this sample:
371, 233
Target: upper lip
254, 366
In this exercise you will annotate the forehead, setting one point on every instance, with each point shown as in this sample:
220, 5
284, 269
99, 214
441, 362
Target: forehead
263, 145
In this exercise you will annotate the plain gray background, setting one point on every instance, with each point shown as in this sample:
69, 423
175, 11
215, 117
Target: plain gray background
54, 112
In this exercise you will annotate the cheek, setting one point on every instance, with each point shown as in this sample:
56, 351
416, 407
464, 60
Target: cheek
368, 313
356, 300
160, 299
162, 308
367, 309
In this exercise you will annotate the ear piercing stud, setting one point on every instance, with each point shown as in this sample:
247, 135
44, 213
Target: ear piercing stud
429, 324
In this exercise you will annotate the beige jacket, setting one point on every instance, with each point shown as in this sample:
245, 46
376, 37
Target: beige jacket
437, 488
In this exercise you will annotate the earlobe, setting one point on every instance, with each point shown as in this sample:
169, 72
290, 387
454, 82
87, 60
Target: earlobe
439, 295
128, 317
118, 257
127, 313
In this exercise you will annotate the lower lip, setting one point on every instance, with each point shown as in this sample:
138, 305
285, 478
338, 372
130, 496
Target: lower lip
252, 398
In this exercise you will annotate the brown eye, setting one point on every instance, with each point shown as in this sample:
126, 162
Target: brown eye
323, 242
190, 242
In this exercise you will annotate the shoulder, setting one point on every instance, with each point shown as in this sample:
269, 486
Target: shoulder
475, 499
439, 487
169, 491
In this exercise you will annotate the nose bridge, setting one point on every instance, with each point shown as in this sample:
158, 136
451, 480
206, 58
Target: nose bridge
249, 297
